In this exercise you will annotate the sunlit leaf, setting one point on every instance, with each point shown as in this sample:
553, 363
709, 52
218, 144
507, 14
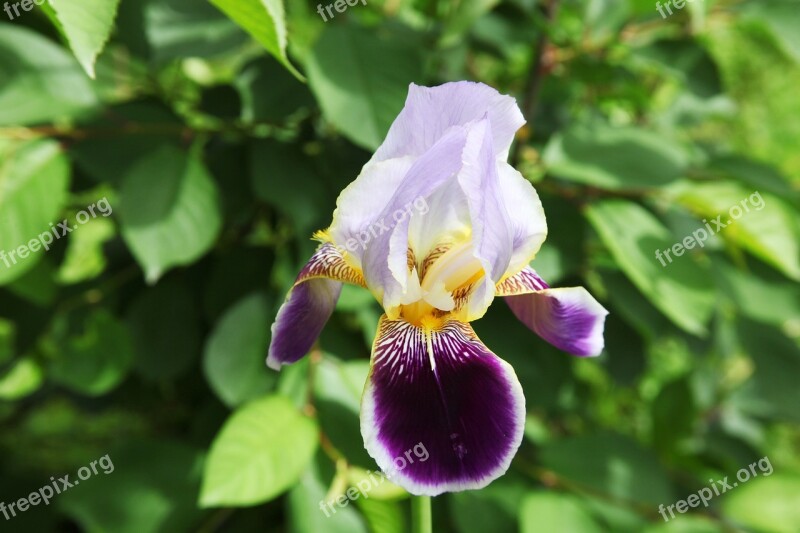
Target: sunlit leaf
615, 158
261, 451
178, 225
33, 186
265, 21
87, 26
35, 70
361, 81
549, 511
680, 288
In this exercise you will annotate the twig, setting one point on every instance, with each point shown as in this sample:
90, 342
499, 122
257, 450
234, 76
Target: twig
538, 70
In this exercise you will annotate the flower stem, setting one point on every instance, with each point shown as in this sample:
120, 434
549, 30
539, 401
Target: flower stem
421, 514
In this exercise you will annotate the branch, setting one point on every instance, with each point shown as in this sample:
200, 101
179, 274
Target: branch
539, 68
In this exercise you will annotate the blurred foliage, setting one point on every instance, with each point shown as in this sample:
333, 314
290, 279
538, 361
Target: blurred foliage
221, 134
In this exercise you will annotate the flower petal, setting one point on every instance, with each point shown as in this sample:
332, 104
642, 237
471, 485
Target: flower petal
309, 305
526, 214
568, 318
491, 226
429, 112
357, 218
524, 282
385, 260
442, 391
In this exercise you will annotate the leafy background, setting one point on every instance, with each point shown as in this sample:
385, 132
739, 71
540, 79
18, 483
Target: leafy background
221, 134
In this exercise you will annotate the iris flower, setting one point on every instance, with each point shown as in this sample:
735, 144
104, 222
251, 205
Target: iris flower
436, 226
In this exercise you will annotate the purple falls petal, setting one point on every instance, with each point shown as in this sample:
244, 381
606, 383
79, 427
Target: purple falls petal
523, 282
461, 404
568, 318
309, 305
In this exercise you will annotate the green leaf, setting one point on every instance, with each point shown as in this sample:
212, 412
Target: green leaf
269, 93
757, 175
261, 451
615, 158
766, 503
551, 511
305, 498
177, 225
94, 359
680, 289
382, 489
361, 81
494, 508
151, 126
34, 70
781, 18
688, 61
776, 301
87, 26
604, 18
614, 516
383, 516
161, 476
34, 178
463, 15
631, 304
84, 259
337, 389
688, 524
772, 389
21, 380
758, 222
165, 30
611, 464
37, 285
165, 323
265, 21
234, 359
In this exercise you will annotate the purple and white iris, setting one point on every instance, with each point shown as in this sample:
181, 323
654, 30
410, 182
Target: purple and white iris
432, 380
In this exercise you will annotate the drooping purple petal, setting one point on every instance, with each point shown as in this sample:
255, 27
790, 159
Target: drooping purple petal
568, 318
309, 305
443, 392
430, 112
523, 282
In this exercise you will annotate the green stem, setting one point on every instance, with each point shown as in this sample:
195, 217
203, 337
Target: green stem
421, 514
